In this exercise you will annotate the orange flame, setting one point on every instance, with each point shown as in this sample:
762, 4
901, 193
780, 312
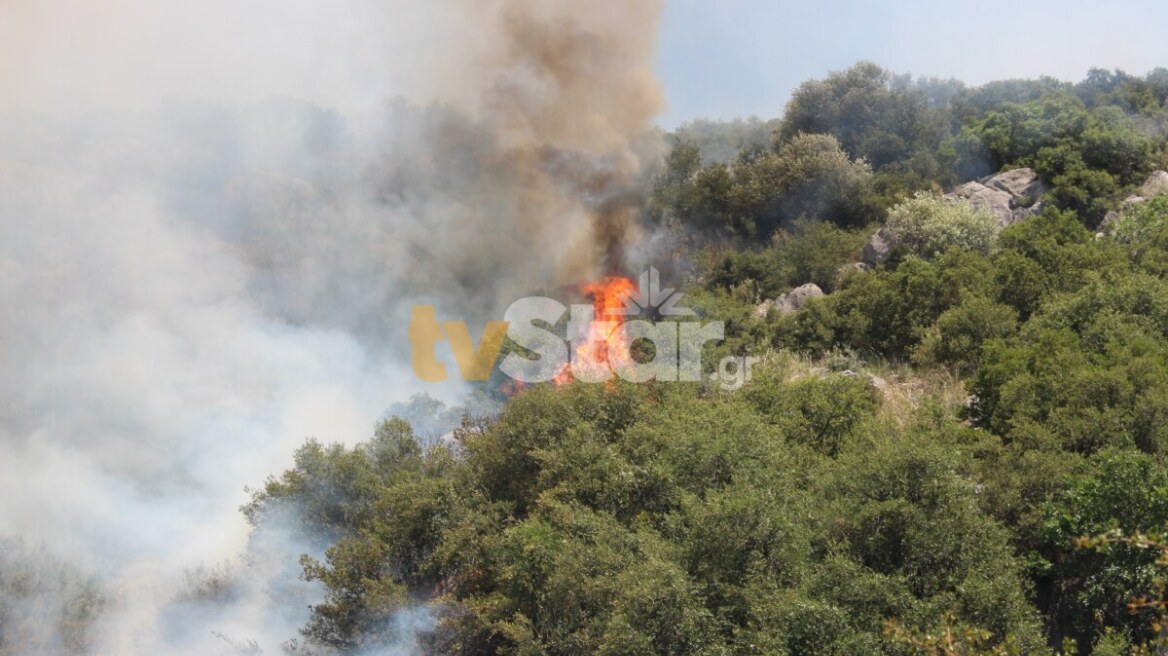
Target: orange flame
604, 347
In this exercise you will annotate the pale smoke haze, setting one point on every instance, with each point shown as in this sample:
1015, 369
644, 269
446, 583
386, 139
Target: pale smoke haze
213, 221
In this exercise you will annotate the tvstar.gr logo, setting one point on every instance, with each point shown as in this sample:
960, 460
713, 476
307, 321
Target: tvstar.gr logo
598, 345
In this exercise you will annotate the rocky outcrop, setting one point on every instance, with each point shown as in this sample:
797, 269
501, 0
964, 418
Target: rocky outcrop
1011, 196
879, 247
792, 301
1021, 184
1156, 184
995, 201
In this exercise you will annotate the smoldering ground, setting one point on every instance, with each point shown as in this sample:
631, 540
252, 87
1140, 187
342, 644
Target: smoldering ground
213, 226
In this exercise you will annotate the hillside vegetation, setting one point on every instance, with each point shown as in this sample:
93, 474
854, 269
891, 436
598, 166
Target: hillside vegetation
919, 450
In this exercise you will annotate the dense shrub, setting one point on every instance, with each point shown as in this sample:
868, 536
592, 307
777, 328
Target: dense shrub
927, 226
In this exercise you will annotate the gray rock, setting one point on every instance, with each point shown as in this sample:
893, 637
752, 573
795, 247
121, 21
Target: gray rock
995, 201
760, 310
794, 300
1011, 196
879, 247
1019, 183
1023, 213
1157, 184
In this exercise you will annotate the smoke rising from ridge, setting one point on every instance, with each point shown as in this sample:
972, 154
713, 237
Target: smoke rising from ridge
197, 274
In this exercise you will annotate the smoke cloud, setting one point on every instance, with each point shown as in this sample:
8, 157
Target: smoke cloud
213, 223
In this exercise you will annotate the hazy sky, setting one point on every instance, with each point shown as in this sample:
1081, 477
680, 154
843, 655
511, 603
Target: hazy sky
717, 58
726, 58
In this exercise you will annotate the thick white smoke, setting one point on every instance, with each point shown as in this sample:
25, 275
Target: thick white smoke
144, 384
212, 226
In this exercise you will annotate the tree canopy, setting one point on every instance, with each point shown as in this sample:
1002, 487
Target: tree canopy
914, 460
